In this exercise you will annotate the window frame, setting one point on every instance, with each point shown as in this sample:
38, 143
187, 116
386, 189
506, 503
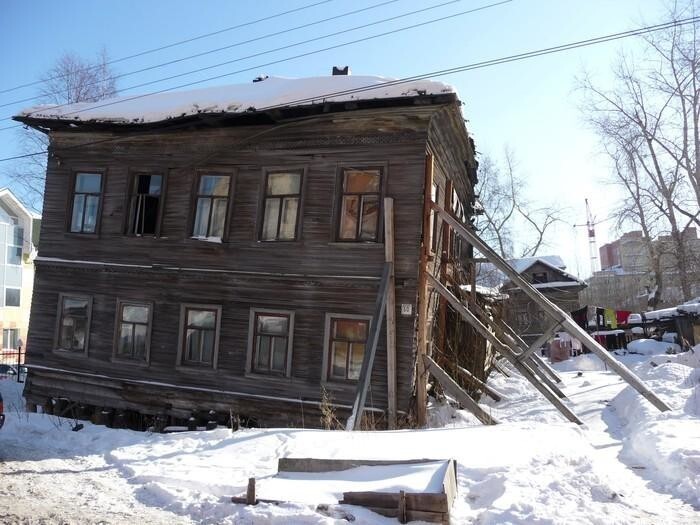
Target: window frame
134, 173
71, 200
117, 326
4, 297
182, 338
382, 168
252, 332
59, 323
326, 376
302, 171
218, 172
17, 338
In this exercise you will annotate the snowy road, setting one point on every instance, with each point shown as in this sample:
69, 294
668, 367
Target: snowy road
630, 465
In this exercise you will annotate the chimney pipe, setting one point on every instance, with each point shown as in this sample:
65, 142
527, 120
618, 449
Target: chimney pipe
341, 70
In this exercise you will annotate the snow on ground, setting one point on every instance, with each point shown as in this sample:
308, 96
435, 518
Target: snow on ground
630, 464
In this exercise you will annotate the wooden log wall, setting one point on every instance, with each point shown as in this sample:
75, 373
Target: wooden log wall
312, 276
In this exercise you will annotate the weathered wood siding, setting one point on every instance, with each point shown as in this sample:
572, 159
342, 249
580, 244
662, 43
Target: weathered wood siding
312, 276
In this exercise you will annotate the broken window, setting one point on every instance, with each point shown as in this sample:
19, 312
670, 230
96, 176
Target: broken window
211, 206
144, 205
133, 331
271, 342
201, 332
347, 347
281, 206
359, 205
74, 323
86, 202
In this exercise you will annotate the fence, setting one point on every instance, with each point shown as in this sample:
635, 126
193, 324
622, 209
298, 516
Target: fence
12, 365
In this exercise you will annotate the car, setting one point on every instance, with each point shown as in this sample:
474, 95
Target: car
2, 412
11, 371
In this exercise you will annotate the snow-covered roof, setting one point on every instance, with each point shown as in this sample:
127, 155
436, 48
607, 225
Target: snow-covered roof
267, 93
520, 265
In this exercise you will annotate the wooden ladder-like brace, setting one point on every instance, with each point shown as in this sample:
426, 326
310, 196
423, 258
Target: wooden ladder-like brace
523, 357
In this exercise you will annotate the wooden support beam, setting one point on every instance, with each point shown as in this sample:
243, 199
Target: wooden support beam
504, 350
445, 251
451, 386
488, 390
546, 367
390, 314
358, 406
539, 372
423, 297
556, 313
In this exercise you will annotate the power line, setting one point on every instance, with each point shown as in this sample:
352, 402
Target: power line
178, 43
433, 74
236, 44
288, 46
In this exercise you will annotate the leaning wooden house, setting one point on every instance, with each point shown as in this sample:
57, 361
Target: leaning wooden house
223, 249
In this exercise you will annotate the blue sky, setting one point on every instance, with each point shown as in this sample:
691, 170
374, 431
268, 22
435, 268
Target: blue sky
532, 106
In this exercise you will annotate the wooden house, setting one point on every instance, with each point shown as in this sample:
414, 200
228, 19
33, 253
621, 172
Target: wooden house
222, 249
548, 275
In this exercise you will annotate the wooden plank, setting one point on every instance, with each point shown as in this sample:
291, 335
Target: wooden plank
542, 339
331, 465
422, 307
250, 492
390, 314
413, 515
444, 257
504, 350
431, 502
451, 386
554, 311
358, 407
488, 390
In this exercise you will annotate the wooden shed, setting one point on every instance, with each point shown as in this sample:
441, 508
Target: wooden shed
222, 249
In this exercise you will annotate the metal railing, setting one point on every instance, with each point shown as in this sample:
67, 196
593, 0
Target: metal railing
12, 365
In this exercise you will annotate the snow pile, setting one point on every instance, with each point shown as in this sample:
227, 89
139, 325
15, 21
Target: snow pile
669, 441
272, 92
652, 347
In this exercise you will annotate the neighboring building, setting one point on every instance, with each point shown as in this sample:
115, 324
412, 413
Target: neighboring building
199, 253
547, 274
626, 280
17, 225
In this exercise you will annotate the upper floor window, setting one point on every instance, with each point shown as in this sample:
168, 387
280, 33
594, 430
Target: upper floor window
281, 206
144, 204
200, 335
271, 342
133, 331
12, 296
86, 202
211, 206
359, 205
74, 323
346, 347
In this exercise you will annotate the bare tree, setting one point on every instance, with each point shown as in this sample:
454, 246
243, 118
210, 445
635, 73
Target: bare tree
649, 124
510, 222
71, 79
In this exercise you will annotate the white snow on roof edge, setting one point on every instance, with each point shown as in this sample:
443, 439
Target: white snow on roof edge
269, 93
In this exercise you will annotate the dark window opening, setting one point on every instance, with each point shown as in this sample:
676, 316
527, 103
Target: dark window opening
539, 278
144, 206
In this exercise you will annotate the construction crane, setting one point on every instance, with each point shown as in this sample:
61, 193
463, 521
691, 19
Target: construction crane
592, 246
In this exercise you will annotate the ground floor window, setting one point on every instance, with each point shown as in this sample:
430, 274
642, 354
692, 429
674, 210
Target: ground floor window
133, 331
200, 336
347, 338
74, 323
10, 338
270, 344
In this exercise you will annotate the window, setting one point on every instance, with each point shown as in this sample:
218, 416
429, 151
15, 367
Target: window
144, 204
14, 255
74, 323
359, 205
10, 338
86, 202
434, 195
539, 277
133, 331
200, 335
281, 206
211, 206
270, 343
12, 296
346, 347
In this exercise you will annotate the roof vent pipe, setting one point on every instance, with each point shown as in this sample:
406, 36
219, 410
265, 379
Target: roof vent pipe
341, 70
